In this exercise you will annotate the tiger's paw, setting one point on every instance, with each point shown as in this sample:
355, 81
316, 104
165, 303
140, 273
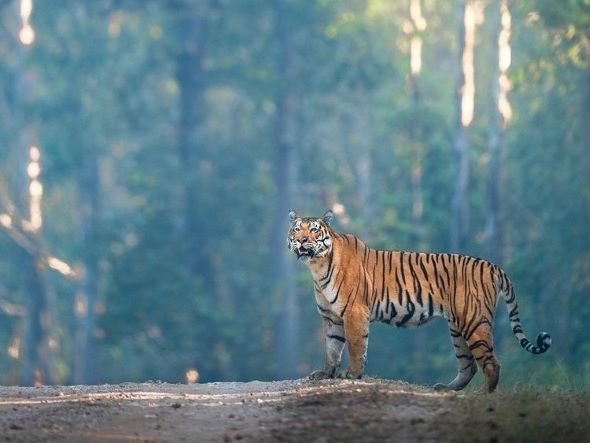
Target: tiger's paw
441, 387
348, 375
318, 375
323, 374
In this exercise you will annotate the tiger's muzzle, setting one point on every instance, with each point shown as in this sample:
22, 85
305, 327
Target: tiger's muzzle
304, 253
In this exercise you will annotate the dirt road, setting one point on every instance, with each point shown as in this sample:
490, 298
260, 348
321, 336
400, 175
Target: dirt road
292, 410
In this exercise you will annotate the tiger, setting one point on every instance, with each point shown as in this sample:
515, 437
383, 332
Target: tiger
355, 285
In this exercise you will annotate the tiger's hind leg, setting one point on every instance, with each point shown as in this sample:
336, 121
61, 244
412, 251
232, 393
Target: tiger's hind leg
465, 361
482, 348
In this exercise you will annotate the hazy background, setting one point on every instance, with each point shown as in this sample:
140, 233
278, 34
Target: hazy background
150, 152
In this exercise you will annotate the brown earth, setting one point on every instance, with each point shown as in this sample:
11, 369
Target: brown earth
291, 411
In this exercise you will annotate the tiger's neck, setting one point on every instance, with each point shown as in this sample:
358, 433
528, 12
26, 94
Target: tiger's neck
320, 267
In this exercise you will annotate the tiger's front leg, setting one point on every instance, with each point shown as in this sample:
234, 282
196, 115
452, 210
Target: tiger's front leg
356, 327
335, 340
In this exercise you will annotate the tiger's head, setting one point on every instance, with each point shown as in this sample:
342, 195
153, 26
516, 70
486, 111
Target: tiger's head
310, 237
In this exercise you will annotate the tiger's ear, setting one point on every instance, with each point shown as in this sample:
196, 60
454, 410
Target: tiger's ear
292, 215
328, 217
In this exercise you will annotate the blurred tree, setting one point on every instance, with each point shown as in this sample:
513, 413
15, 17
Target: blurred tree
285, 179
21, 212
176, 135
192, 22
415, 27
547, 165
500, 115
467, 18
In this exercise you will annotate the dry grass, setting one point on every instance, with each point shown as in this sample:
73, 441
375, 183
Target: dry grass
523, 415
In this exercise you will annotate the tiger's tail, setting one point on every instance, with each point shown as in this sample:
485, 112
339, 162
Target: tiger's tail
543, 338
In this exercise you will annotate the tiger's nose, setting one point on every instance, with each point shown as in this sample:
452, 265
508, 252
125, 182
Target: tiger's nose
304, 240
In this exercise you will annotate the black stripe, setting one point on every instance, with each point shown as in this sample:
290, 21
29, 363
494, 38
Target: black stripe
390, 263
328, 275
387, 300
393, 311
383, 282
400, 290
437, 280
401, 266
376, 311
336, 337
388, 303
417, 285
455, 269
349, 299
481, 344
423, 269
366, 289
482, 267
410, 311
337, 293
376, 262
446, 269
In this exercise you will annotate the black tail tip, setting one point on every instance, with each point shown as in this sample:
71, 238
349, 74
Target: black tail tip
543, 342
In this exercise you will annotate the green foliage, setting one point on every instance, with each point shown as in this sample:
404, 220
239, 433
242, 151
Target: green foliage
181, 242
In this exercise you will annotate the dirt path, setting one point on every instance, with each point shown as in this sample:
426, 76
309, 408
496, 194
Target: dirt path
292, 410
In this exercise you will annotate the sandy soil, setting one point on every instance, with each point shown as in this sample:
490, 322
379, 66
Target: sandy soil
292, 410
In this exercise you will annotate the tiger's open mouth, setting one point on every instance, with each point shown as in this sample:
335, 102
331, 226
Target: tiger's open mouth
304, 253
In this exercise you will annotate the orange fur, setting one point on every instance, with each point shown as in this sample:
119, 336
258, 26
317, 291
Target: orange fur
355, 285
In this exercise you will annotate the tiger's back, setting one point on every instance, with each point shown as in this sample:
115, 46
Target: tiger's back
355, 285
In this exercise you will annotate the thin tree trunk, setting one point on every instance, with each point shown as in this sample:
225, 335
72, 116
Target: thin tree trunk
363, 165
36, 353
419, 359
586, 110
465, 100
418, 26
287, 313
191, 77
86, 296
36, 359
35, 364
500, 115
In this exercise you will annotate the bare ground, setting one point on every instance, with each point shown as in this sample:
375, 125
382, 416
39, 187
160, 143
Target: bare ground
290, 411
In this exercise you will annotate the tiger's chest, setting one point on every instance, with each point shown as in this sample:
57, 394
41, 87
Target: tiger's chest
328, 305
328, 296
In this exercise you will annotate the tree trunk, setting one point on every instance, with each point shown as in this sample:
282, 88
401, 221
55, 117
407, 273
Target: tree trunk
86, 296
36, 358
465, 106
287, 313
459, 204
191, 79
415, 131
35, 355
361, 150
416, 134
35, 363
500, 115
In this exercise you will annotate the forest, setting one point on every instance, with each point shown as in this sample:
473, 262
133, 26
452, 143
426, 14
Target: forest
150, 152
